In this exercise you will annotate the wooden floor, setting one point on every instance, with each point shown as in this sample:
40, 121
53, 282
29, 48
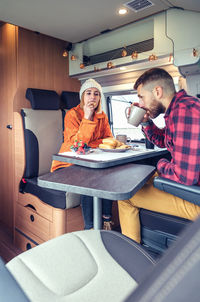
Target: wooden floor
7, 248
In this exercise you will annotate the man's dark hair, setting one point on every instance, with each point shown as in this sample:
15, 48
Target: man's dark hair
154, 74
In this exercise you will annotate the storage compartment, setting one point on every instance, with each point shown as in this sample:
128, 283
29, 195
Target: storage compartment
23, 242
28, 219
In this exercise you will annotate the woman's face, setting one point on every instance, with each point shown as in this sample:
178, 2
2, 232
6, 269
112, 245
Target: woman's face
92, 97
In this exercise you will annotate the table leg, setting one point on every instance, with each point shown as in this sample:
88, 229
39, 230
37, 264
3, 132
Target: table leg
97, 213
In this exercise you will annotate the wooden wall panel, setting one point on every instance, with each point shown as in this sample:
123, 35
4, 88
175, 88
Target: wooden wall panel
8, 43
41, 65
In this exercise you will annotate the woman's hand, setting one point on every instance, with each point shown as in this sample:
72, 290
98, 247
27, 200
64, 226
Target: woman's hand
89, 110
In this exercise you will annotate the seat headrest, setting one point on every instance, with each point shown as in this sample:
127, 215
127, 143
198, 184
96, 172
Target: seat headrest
69, 99
43, 99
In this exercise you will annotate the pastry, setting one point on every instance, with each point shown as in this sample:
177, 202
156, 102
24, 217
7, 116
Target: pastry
110, 141
106, 146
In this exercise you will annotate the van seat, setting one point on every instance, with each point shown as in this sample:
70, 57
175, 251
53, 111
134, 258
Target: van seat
39, 135
43, 126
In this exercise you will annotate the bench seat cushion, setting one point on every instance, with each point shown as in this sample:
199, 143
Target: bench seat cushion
55, 198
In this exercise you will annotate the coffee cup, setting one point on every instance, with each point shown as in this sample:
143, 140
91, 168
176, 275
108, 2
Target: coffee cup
134, 115
122, 138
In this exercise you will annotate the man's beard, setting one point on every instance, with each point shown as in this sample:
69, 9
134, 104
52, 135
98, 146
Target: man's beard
156, 109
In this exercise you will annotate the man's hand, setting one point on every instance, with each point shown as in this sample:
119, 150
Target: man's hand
146, 116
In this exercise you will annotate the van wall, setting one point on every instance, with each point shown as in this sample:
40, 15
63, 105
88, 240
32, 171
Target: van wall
27, 59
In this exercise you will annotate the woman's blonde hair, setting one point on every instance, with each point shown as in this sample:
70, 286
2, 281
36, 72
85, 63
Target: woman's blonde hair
97, 110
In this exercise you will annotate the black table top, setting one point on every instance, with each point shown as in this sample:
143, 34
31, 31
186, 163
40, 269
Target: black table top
119, 182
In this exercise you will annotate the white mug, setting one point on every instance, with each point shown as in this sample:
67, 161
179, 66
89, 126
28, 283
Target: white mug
122, 138
134, 115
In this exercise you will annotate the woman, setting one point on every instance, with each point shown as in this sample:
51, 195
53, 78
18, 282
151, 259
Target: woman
87, 122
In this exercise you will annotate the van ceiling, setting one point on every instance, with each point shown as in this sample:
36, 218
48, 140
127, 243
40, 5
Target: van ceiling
78, 20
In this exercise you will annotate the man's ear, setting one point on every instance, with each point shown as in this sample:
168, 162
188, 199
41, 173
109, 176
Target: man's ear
158, 92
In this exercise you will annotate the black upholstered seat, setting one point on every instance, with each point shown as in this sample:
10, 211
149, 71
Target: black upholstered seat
69, 99
189, 193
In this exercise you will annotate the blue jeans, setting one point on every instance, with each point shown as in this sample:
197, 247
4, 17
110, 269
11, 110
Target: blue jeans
87, 210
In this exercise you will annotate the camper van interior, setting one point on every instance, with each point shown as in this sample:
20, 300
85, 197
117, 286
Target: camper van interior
48, 49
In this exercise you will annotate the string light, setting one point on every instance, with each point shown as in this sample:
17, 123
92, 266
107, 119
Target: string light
65, 53
109, 65
134, 55
152, 57
97, 68
73, 58
82, 66
195, 52
124, 53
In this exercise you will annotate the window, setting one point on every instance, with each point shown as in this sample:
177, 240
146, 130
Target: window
119, 103
120, 125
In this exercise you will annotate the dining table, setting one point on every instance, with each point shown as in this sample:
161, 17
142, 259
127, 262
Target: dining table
99, 158
102, 175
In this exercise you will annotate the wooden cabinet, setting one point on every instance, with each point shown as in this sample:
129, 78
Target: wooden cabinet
37, 222
27, 59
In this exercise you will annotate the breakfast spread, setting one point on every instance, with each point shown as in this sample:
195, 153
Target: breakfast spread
112, 143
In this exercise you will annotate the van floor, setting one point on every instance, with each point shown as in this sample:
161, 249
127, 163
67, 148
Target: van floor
7, 248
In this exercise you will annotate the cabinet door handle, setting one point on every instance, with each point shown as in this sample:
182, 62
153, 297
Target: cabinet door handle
9, 127
32, 218
30, 206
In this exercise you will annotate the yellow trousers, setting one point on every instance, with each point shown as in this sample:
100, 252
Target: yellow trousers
152, 199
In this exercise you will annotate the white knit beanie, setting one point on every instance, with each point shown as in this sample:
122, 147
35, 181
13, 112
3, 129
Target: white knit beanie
90, 83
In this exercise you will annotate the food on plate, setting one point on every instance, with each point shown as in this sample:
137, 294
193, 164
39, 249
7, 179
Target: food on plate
123, 146
106, 146
112, 143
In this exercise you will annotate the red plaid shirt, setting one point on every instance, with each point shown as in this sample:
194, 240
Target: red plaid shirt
181, 136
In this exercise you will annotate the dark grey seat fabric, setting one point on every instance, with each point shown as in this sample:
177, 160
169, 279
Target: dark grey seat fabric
159, 230
176, 276
69, 99
43, 99
189, 193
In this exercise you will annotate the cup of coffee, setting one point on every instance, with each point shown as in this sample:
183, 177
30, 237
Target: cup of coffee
134, 115
122, 138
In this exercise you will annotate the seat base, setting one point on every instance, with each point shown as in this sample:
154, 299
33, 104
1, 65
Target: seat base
159, 230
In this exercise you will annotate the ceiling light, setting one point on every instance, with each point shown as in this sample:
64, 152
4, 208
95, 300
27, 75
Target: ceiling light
122, 11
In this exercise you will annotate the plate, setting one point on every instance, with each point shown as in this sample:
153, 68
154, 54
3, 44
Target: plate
115, 150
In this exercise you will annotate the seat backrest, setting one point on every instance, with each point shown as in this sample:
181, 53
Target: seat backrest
43, 127
189, 193
69, 99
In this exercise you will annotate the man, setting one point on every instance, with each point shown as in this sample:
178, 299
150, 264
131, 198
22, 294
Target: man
181, 136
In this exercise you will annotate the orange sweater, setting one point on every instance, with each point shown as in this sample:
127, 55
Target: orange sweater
79, 128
